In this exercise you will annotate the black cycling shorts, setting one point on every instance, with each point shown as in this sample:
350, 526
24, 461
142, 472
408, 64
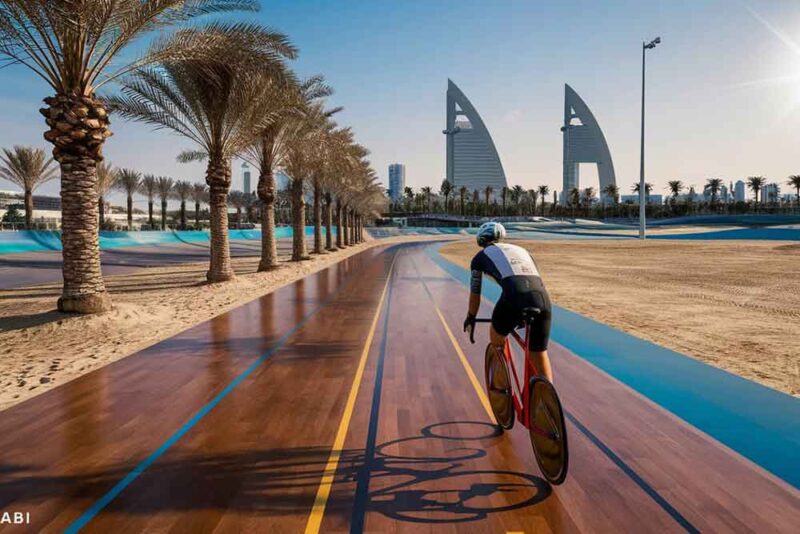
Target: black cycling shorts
521, 292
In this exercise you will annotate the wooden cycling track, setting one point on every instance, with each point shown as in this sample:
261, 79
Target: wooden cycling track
349, 401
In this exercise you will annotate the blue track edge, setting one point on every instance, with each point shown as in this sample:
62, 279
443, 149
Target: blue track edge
759, 423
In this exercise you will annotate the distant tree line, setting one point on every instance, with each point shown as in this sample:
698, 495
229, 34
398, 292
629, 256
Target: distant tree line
518, 201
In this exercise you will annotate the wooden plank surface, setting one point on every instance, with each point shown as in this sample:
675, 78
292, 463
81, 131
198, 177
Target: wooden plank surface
257, 395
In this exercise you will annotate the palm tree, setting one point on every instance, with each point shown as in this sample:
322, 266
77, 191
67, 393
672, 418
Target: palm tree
286, 103
543, 191
238, 199
303, 160
462, 193
533, 195
427, 192
755, 184
517, 195
330, 153
409, 194
675, 187
217, 102
504, 195
794, 181
28, 168
476, 198
149, 187
574, 199
588, 197
77, 47
611, 191
713, 186
106, 179
487, 194
164, 187
648, 187
199, 194
182, 190
128, 182
446, 190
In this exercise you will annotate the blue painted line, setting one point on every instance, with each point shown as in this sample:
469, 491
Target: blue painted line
101, 503
759, 423
634, 476
362, 487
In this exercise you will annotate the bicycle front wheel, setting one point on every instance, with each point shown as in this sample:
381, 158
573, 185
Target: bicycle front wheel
498, 388
547, 430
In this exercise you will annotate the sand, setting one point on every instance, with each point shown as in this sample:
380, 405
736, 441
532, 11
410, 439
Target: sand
732, 304
41, 348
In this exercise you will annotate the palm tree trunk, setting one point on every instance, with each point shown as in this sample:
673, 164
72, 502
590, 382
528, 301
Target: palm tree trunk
84, 290
345, 222
269, 247
218, 178
163, 214
328, 229
299, 251
183, 215
28, 209
339, 236
197, 215
78, 127
352, 227
130, 213
150, 214
101, 209
317, 219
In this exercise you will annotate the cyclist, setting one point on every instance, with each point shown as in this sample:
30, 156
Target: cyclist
515, 271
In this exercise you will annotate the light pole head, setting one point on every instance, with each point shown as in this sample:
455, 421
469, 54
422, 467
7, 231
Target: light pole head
653, 43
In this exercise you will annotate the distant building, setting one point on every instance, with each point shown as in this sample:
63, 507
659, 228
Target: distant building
770, 193
472, 158
722, 194
739, 192
584, 142
397, 181
246, 178
40, 202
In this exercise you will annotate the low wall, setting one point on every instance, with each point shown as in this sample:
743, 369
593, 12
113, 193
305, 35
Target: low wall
41, 240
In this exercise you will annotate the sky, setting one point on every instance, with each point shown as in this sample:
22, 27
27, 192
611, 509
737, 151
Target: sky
723, 88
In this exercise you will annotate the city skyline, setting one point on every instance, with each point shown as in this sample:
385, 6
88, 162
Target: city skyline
713, 111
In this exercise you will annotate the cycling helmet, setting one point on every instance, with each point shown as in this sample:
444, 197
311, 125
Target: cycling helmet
490, 232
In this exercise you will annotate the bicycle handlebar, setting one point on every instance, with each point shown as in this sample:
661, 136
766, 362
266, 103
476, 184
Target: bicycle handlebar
532, 311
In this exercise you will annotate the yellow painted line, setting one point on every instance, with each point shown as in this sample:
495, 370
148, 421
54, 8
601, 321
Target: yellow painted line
467, 367
325, 484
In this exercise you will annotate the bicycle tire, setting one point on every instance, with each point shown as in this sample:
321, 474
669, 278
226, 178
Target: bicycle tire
551, 452
498, 388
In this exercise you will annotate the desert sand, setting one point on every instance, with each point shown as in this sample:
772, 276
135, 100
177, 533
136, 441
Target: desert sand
732, 304
41, 348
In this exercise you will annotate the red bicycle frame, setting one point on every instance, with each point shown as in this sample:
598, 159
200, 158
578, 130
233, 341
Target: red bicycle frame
521, 406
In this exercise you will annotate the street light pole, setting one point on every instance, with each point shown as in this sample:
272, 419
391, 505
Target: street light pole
642, 191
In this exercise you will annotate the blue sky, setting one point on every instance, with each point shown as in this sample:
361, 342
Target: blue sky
723, 88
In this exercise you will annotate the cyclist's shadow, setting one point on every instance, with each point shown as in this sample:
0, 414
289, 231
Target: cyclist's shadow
433, 478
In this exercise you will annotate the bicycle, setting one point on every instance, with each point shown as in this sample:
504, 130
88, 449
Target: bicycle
544, 419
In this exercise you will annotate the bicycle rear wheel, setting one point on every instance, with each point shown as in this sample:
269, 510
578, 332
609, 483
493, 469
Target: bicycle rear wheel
498, 388
547, 431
